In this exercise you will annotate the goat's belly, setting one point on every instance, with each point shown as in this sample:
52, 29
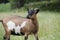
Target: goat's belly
13, 33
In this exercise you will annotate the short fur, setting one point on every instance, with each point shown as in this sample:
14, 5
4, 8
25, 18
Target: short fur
31, 26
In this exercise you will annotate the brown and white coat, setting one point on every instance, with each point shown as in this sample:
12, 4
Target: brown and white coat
18, 25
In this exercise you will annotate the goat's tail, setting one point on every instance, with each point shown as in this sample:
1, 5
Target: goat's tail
1, 20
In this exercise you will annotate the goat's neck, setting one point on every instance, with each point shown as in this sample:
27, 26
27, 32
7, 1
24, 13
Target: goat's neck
35, 22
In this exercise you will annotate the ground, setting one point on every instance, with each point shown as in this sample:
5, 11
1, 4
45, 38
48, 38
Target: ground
49, 25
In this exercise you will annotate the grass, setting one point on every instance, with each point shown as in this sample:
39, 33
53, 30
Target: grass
49, 25
5, 7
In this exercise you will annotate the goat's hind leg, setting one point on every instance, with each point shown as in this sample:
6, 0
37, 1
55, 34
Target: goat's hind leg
6, 36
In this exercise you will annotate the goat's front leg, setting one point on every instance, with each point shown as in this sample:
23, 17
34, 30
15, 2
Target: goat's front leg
36, 36
26, 37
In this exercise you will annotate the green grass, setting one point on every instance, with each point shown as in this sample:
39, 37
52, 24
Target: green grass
5, 7
49, 25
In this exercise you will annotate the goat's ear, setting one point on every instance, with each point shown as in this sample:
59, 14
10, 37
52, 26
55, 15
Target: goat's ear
37, 10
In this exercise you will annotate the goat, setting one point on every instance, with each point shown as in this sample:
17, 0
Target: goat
17, 25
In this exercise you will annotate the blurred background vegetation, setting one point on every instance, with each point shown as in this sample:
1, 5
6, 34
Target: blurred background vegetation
43, 5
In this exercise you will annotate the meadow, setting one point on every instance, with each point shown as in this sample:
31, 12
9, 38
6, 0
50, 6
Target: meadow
49, 25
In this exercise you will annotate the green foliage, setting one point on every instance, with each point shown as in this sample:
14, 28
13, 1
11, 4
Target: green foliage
5, 7
55, 0
50, 6
13, 0
45, 5
27, 1
17, 3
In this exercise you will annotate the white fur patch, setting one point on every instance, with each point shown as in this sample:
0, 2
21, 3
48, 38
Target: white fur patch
11, 25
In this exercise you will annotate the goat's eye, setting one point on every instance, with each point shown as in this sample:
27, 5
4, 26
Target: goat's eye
30, 14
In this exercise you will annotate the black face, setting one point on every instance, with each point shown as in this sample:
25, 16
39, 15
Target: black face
31, 12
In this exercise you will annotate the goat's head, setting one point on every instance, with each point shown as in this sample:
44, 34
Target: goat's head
32, 13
